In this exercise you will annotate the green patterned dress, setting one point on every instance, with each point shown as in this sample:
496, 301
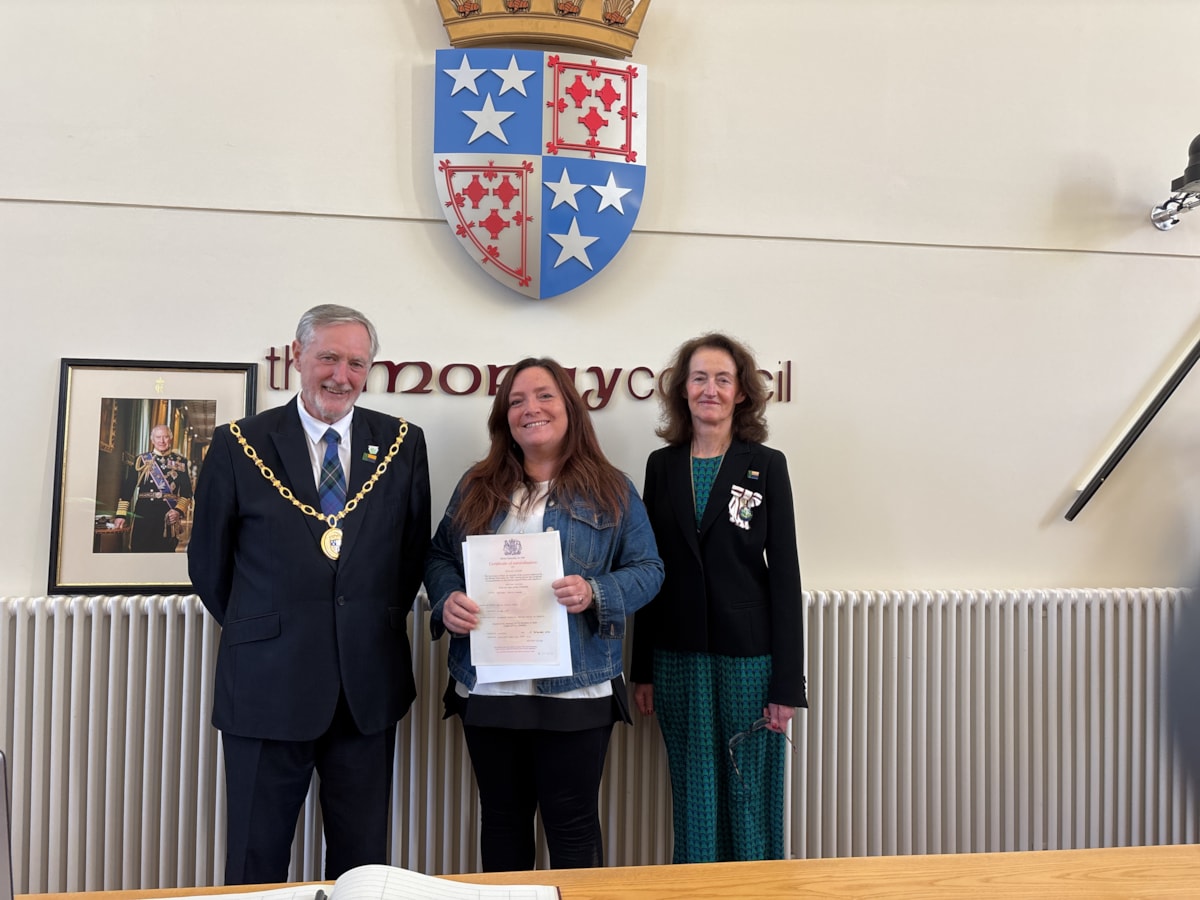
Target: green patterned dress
728, 804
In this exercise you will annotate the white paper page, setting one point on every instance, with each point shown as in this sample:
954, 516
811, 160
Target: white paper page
490, 674
298, 892
392, 883
520, 621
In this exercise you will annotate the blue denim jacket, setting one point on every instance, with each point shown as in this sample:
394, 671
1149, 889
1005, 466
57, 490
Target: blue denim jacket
618, 558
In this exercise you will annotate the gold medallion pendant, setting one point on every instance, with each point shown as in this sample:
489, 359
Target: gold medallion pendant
331, 542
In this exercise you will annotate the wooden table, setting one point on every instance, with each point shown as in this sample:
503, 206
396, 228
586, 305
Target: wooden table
1141, 872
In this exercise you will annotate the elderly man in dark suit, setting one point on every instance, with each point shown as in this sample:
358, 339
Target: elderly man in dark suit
311, 526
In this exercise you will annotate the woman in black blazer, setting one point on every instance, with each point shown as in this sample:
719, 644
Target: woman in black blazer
718, 655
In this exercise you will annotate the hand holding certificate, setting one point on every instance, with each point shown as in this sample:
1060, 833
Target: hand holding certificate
522, 629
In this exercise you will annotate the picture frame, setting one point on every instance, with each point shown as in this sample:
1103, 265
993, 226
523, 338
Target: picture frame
132, 435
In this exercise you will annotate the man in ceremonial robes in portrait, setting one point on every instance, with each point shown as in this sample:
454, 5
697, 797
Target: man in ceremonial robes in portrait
159, 478
308, 545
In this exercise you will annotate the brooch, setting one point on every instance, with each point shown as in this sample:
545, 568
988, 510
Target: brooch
742, 502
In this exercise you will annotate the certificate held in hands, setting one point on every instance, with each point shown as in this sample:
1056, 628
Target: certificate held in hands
522, 629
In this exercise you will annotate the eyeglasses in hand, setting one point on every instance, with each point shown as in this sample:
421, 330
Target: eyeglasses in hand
758, 725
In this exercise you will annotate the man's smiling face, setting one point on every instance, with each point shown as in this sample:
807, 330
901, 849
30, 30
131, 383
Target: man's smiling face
333, 369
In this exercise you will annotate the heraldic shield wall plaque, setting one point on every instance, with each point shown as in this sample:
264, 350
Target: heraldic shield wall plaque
540, 161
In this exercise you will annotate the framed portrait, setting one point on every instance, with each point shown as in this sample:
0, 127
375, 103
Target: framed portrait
132, 436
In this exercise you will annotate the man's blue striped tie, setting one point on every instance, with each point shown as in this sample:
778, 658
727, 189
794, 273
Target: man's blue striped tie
332, 489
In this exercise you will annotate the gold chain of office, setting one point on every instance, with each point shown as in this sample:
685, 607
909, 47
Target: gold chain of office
331, 540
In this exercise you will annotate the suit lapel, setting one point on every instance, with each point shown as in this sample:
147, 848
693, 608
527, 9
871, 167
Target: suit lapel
291, 444
679, 487
733, 468
362, 437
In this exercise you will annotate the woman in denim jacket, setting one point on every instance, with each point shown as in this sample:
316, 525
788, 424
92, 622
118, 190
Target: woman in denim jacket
541, 743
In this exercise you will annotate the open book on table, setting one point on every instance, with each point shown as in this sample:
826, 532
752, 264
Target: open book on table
392, 883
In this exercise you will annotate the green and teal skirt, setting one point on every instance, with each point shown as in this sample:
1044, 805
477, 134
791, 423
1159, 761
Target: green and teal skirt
726, 805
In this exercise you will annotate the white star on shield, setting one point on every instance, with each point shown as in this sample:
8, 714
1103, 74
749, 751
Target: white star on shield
574, 245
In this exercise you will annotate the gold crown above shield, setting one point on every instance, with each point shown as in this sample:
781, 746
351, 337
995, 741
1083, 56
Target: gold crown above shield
604, 27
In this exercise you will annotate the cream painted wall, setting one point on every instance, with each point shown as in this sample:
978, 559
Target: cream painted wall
938, 211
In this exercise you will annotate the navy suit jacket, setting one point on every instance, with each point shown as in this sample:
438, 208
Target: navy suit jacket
728, 590
298, 627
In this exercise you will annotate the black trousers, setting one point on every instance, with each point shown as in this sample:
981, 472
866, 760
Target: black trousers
265, 785
520, 771
149, 525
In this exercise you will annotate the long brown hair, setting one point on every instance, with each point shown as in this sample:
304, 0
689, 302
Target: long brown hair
749, 416
584, 471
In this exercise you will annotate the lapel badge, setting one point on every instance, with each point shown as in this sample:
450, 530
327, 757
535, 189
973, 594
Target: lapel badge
752, 474
539, 158
372, 453
742, 502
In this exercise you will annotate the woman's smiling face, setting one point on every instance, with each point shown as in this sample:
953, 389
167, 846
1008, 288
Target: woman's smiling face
712, 388
537, 415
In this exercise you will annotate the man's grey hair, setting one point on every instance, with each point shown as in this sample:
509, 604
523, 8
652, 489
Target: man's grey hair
332, 314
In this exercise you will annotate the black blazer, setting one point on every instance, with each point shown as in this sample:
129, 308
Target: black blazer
298, 627
720, 594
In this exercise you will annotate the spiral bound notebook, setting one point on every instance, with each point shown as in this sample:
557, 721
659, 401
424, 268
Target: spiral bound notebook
6, 878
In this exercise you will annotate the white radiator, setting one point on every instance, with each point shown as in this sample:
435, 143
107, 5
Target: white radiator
940, 722
949, 722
